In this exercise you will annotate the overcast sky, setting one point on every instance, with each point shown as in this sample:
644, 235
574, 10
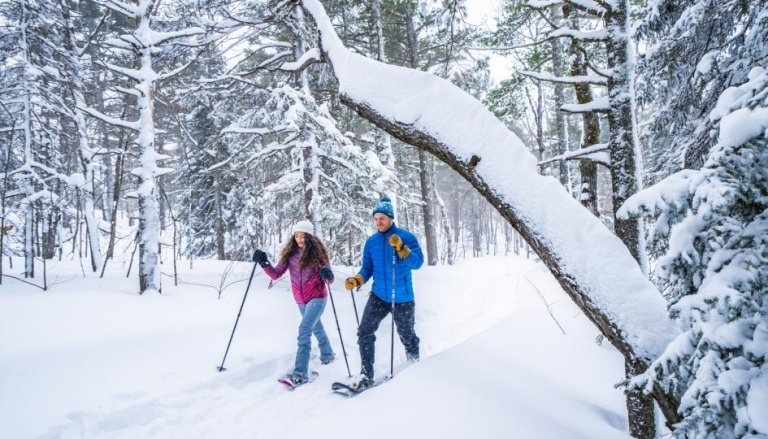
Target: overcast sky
483, 13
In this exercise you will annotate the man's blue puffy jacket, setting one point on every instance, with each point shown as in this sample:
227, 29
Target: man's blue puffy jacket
377, 262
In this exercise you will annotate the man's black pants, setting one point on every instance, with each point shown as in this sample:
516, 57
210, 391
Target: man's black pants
375, 311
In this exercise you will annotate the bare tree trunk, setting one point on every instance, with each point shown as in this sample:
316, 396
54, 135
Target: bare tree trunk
149, 219
477, 245
29, 250
84, 151
625, 176
539, 112
558, 69
626, 161
377, 28
428, 213
50, 224
444, 222
119, 164
588, 194
426, 208
219, 222
108, 185
4, 230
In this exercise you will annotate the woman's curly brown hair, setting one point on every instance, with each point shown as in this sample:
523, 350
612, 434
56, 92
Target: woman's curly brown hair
315, 253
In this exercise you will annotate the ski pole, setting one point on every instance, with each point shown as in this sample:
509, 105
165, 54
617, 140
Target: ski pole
222, 368
354, 305
392, 351
336, 317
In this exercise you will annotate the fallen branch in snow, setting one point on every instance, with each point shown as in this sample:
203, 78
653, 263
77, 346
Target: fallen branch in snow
22, 280
222, 282
544, 301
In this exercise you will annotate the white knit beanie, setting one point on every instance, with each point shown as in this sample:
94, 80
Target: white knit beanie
304, 226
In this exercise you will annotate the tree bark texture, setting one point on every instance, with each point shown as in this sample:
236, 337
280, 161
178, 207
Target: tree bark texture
430, 227
625, 165
149, 218
624, 152
558, 69
588, 193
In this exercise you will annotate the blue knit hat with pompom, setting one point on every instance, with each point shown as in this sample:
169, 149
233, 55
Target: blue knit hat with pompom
384, 206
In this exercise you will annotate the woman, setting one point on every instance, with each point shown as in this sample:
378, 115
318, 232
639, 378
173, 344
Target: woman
308, 264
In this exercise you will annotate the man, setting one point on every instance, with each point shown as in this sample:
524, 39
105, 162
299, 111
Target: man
389, 256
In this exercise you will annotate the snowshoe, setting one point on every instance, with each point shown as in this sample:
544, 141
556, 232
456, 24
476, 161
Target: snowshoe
292, 381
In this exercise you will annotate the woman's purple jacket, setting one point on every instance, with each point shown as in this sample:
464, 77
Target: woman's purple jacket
305, 283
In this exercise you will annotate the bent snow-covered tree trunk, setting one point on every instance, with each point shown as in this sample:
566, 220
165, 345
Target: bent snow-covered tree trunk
423, 110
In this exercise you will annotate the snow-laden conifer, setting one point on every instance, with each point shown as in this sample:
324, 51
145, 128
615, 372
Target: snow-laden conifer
711, 236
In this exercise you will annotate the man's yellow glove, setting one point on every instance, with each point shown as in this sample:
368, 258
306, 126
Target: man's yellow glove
356, 281
399, 247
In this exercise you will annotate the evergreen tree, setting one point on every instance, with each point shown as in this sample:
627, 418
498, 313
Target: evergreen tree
695, 50
711, 236
34, 104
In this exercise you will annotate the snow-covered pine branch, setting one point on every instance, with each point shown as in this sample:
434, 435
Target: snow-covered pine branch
134, 74
598, 35
135, 126
158, 38
597, 153
126, 9
599, 105
588, 79
308, 58
589, 6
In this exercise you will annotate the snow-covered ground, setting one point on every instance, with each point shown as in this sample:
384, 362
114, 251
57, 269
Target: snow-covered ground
91, 358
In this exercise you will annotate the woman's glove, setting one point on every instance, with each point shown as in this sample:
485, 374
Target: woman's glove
326, 274
260, 258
